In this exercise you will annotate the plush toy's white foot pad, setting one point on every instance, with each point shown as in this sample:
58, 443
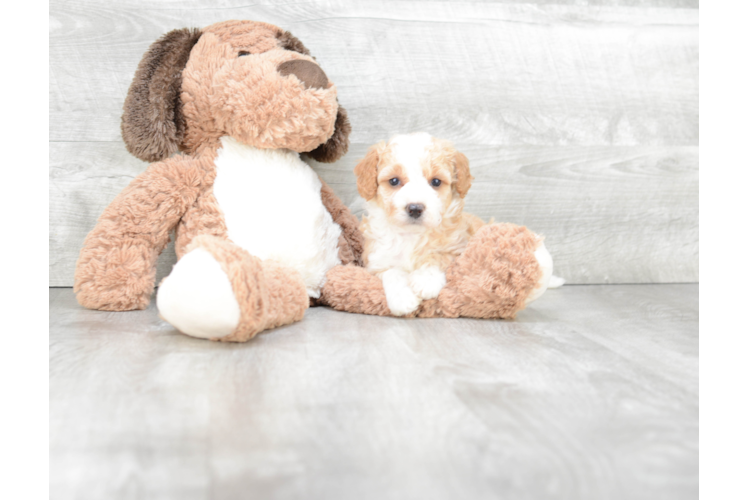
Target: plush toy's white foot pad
545, 261
197, 298
556, 282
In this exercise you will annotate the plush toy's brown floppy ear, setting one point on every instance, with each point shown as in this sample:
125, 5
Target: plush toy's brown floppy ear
366, 173
462, 172
337, 145
152, 122
289, 42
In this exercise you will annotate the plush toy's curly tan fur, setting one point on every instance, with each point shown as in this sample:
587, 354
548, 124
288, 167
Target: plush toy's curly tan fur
256, 85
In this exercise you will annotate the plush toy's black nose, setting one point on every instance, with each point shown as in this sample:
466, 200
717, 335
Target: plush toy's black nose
309, 73
415, 209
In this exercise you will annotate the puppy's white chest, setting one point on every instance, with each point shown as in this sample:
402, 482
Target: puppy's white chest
389, 246
394, 250
272, 207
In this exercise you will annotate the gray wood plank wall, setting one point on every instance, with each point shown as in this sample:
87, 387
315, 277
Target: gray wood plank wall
580, 121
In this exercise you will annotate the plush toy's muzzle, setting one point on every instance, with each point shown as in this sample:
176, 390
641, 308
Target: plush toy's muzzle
275, 99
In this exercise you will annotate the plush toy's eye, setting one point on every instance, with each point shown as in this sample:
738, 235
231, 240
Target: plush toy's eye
244, 53
394, 181
436, 183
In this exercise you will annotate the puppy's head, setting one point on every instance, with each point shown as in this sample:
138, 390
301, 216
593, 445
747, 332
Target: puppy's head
416, 179
248, 80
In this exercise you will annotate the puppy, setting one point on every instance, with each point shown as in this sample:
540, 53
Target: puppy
414, 187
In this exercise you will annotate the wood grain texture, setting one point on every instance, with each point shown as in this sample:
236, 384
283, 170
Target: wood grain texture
481, 73
610, 214
581, 121
592, 393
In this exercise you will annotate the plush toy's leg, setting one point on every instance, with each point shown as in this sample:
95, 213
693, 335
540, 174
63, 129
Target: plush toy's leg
503, 267
219, 291
351, 288
495, 275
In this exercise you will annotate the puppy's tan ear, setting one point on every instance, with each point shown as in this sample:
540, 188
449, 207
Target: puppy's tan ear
462, 172
337, 145
366, 173
152, 122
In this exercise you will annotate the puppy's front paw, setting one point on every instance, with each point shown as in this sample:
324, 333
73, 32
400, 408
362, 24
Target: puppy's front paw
427, 282
402, 301
400, 298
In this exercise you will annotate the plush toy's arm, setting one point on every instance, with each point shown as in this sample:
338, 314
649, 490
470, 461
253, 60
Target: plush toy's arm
493, 278
116, 268
351, 247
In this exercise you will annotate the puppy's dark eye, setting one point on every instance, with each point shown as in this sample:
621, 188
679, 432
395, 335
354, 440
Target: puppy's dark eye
244, 53
436, 183
394, 181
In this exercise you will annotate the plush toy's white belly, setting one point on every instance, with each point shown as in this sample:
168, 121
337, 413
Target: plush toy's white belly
273, 209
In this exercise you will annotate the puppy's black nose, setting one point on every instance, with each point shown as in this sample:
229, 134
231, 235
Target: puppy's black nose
415, 209
309, 73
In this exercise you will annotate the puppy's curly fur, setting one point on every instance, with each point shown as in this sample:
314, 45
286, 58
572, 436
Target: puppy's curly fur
424, 256
415, 225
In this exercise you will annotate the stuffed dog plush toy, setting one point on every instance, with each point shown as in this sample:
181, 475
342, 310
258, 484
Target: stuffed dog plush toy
224, 112
256, 229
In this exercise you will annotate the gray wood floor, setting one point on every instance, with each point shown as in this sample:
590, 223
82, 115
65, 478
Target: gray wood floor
592, 393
